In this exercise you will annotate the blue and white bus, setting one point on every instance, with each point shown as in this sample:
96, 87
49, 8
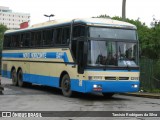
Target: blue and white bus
81, 55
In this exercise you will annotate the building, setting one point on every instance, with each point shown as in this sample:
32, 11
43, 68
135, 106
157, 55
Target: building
12, 19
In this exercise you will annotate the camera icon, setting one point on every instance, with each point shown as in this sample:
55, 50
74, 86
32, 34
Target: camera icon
6, 114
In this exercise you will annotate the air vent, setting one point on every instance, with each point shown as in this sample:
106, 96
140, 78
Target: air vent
116, 78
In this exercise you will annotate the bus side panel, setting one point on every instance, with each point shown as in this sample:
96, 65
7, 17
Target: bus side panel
77, 85
42, 73
6, 69
42, 80
6, 73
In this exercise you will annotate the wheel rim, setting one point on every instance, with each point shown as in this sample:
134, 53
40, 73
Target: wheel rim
66, 85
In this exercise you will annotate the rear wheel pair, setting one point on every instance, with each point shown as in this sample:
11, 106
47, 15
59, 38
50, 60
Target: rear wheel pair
17, 78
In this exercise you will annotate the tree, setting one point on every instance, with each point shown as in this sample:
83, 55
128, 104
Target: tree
2, 30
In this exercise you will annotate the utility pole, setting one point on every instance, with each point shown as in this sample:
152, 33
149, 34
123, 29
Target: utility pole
124, 10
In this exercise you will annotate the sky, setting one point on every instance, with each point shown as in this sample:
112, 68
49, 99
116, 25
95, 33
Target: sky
144, 10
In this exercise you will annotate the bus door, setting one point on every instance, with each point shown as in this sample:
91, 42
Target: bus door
81, 55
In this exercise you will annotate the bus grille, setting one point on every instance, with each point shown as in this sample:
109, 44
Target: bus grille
116, 78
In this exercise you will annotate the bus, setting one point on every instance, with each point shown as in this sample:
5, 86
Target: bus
93, 55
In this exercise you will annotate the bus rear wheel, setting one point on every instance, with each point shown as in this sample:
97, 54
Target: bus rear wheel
66, 86
20, 78
14, 77
108, 95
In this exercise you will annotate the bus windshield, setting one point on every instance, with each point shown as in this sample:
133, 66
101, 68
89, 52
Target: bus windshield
102, 53
113, 51
114, 33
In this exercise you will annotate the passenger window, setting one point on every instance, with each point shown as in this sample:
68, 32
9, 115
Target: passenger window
36, 39
16, 39
25, 40
66, 35
58, 36
7, 41
78, 31
48, 37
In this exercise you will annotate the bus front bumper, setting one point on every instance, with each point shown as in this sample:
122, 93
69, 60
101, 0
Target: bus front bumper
92, 86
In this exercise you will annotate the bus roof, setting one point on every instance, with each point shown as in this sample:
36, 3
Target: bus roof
88, 21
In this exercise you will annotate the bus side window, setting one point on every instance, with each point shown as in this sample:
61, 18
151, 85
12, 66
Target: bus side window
47, 37
78, 31
12, 43
7, 41
36, 39
17, 40
58, 36
66, 35
14, 39
25, 40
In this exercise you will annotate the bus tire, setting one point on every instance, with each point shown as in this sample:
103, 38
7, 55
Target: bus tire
14, 77
108, 95
66, 86
20, 78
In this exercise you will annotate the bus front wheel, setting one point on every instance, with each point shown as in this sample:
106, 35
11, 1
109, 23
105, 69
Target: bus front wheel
20, 78
66, 86
14, 77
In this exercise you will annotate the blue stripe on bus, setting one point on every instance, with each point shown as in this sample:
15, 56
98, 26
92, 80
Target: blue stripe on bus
86, 87
111, 70
107, 86
37, 79
40, 79
6, 74
48, 55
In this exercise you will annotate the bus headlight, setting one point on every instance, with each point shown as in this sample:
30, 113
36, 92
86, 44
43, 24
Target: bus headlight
97, 88
135, 86
95, 77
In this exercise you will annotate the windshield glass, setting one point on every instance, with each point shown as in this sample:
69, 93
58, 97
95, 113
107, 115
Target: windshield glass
102, 53
127, 54
112, 33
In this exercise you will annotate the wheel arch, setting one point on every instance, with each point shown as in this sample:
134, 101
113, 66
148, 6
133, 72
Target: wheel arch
61, 76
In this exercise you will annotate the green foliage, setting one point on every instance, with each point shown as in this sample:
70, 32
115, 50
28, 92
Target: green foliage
2, 30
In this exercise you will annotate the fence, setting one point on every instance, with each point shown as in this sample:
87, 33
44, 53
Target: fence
150, 74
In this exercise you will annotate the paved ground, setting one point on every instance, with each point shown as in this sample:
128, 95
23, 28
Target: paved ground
40, 98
